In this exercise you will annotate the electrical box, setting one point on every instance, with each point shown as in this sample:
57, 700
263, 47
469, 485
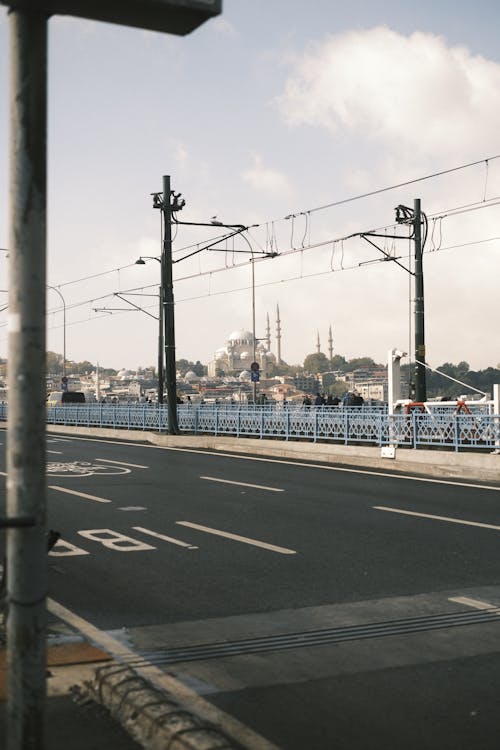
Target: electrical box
172, 16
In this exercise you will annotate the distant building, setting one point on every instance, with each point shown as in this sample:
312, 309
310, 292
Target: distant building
306, 383
238, 354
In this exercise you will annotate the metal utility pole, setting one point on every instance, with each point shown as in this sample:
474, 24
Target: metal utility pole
420, 380
253, 331
26, 485
168, 307
160, 343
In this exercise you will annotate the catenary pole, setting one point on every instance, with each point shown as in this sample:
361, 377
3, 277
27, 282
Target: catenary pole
26, 451
168, 290
420, 382
160, 343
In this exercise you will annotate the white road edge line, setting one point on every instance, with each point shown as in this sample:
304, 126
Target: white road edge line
120, 463
475, 603
79, 494
165, 538
237, 538
243, 484
191, 700
438, 518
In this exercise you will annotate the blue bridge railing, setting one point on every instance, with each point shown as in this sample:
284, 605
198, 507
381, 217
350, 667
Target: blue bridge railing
336, 424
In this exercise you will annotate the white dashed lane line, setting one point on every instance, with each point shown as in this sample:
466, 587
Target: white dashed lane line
165, 538
79, 494
438, 518
243, 484
237, 538
120, 463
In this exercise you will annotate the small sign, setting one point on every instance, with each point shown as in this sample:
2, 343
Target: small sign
255, 367
255, 376
388, 451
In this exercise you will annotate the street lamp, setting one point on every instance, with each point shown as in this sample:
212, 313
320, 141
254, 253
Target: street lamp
142, 262
55, 289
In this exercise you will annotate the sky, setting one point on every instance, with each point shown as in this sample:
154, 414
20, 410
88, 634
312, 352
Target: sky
309, 123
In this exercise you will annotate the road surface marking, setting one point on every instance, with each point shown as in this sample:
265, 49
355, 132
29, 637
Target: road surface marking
475, 603
237, 538
3, 473
115, 540
181, 693
243, 484
438, 518
58, 453
165, 538
121, 463
292, 462
132, 507
79, 494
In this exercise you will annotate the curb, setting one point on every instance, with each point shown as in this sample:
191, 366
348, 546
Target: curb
151, 716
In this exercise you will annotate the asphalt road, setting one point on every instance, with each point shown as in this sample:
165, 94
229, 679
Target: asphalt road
323, 607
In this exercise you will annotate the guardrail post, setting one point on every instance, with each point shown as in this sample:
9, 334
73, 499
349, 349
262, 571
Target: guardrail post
456, 432
216, 421
262, 422
346, 427
414, 425
315, 430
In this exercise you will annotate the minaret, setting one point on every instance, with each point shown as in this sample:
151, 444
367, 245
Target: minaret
268, 334
330, 345
318, 345
278, 336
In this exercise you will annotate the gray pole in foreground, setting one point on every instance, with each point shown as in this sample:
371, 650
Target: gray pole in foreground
26, 485
168, 291
420, 384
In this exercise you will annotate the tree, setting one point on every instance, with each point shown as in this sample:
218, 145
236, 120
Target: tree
199, 369
357, 362
317, 362
338, 362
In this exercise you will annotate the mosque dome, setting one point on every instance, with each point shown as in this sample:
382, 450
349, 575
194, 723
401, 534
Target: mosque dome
245, 376
221, 353
190, 376
245, 355
241, 337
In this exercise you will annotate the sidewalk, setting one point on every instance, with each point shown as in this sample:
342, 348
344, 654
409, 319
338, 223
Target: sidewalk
72, 719
96, 703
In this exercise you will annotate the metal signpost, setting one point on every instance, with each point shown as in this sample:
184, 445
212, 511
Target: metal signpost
26, 450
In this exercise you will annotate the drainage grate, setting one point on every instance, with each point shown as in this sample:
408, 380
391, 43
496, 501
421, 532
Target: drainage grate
321, 637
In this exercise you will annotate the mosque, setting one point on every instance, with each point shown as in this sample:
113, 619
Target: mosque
240, 351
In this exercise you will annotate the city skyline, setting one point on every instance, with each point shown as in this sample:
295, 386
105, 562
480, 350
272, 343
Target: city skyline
298, 122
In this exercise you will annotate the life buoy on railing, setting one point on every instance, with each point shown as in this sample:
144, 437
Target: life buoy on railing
415, 405
461, 406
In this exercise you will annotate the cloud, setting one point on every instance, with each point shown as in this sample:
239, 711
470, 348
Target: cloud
266, 179
414, 92
224, 27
